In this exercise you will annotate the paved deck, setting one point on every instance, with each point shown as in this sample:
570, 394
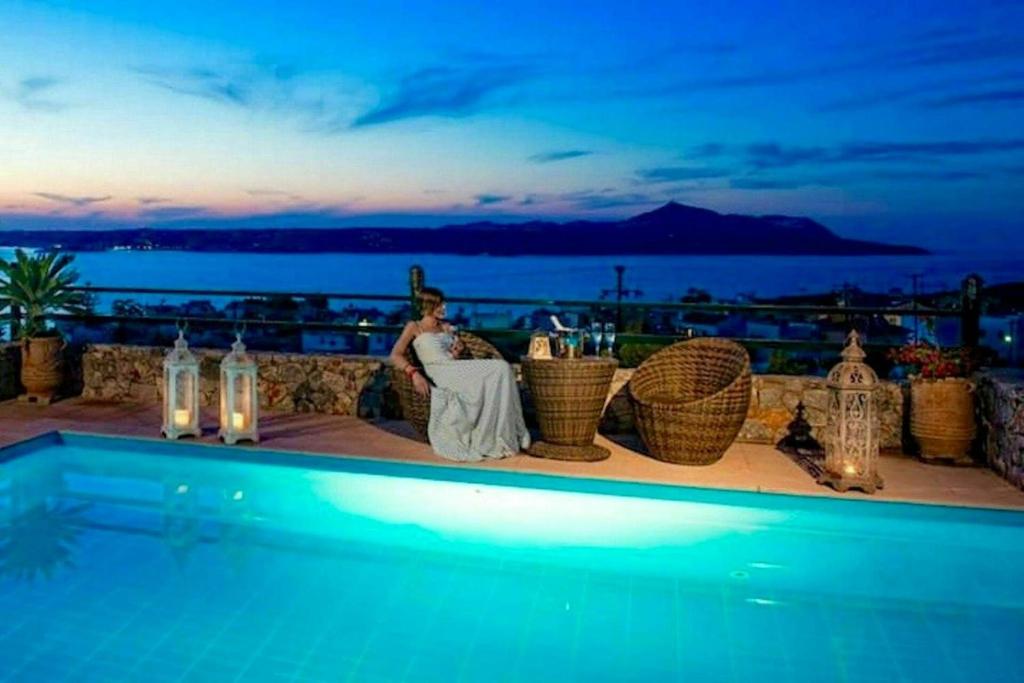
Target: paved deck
744, 467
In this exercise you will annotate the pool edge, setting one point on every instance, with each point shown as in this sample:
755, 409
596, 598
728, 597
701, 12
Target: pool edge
469, 474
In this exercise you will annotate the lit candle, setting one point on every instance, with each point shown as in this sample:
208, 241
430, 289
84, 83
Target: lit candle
237, 421
850, 469
181, 417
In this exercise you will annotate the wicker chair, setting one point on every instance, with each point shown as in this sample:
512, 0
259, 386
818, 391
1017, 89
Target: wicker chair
416, 408
690, 400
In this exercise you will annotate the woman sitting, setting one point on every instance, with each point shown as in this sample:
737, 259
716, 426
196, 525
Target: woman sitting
474, 404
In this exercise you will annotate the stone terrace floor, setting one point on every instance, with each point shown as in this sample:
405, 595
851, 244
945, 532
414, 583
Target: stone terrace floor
745, 466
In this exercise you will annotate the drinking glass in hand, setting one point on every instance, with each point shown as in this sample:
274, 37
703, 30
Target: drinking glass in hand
595, 336
609, 337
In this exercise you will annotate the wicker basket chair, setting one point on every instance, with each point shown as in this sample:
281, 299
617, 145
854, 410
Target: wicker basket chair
690, 400
416, 408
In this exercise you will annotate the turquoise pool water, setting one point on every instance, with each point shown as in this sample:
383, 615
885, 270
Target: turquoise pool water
125, 560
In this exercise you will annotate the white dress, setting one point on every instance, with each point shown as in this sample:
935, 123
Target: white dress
475, 411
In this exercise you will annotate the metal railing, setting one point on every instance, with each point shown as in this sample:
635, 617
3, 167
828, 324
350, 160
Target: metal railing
968, 312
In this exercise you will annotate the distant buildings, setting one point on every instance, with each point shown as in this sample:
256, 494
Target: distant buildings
307, 324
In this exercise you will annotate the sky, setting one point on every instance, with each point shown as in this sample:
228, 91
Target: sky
899, 121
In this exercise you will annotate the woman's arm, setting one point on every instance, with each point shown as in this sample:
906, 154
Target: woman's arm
398, 359
397, 355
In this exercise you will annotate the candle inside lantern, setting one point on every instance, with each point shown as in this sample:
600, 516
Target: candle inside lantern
849, 468
181, 417
237, 421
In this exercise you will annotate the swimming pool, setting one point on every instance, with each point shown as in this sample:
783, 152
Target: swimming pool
126, 559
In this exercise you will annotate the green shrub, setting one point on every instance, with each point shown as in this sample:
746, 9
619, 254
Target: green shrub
632, 355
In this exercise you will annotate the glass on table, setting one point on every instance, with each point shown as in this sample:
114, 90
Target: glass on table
609, 337
573, 339
596, 336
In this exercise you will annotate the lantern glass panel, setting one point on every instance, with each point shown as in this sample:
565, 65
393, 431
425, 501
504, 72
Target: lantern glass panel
223, 398
180, 391
238, 395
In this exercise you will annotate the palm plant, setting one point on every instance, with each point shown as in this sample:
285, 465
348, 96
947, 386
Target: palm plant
40, 284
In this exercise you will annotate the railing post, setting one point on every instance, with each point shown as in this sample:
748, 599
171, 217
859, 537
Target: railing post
618, 296
15, 321
970, 311
416, 279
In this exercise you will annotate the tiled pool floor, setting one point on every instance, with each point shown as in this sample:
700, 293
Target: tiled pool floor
242, 610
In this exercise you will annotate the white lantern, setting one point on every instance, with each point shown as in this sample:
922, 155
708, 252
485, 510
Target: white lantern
239, 402
851, 447
181, 391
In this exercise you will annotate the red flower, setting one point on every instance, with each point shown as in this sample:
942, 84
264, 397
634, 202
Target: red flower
932, 362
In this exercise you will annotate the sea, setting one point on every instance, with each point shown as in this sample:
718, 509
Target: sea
646, 278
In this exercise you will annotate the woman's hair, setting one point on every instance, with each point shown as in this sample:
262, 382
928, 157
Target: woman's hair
429, 300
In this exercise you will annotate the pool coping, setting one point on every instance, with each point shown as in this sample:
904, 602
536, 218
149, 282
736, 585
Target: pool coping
450, 472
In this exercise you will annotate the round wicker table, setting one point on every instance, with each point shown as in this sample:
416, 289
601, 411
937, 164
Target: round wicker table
569, 396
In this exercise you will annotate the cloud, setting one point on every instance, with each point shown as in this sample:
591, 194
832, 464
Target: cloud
560, 155
930, 176
883, 151
72, 200
708, 150
453, 90
840, 179
320, 104
666, 174
774, 155
953, 46
34, 94
608, 198
764, 184
942, 46
279, 194
328, 104
203, 82
1015, 95
913, 93
488, 199
149, 200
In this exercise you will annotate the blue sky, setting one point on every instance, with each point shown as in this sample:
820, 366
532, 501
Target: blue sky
901, 121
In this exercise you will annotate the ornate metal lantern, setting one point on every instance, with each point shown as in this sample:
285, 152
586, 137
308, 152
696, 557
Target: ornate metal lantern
181, 391
851, 449
239, 402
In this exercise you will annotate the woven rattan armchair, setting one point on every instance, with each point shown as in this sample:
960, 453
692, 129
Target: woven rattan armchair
416, 408
690, 400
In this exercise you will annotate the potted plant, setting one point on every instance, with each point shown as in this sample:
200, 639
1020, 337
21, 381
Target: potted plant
38, 285
941, 400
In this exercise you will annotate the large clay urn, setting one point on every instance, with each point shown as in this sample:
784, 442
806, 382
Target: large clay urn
42, 368
942, 418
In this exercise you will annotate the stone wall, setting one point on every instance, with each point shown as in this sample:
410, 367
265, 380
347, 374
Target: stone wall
772, 406
332, 384
1001, 418
359, 385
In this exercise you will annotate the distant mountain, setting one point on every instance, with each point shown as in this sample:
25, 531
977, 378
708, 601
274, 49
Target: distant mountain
671, 229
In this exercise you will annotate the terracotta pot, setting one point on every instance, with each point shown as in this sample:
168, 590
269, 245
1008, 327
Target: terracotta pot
42, 367
942, 417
